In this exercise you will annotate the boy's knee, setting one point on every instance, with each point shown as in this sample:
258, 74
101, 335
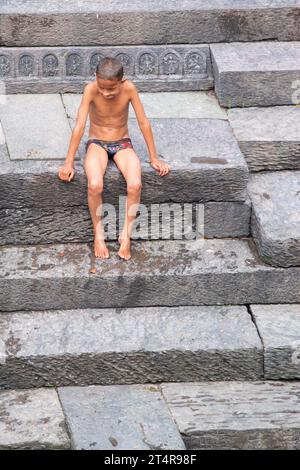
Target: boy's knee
95, 187
134, 186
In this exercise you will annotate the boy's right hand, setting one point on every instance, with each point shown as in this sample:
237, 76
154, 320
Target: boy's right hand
66, 172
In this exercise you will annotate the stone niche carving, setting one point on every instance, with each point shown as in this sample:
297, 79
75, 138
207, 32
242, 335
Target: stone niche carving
50, 65
74, 65
26, 65
195, 63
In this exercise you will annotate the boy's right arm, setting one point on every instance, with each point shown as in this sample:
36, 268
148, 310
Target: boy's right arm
66, 172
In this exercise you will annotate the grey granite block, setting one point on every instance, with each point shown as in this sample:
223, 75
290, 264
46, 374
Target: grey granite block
172, 67
119, 418
279, 329
196, 272
33, 23
268, 137
206, 165
275, 221
35, 127
236, 415
256, 74
29, 226
136, 345
32, 419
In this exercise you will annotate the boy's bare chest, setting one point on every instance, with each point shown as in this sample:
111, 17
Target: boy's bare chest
101, 107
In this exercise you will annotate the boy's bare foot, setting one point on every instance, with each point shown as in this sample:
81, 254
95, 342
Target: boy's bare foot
124, 251
100, 248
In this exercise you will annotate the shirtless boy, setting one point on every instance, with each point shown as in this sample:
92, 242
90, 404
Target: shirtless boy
106, 100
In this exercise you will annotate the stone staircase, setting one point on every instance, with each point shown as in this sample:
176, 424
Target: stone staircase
194, 343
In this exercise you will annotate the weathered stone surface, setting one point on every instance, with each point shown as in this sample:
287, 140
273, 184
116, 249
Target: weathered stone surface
236, 415
268, 137
32, 419
35, 128
61, 69
137, 345
256, 74
155, 221
196, 272
275, 221
157, 22
119, 418
279, 329
206, 165
187, 104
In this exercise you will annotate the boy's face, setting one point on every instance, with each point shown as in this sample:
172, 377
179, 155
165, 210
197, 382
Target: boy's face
108, 88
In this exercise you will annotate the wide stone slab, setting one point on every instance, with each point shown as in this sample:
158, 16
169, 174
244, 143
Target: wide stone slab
32, 23
275, 221
35, 127
268, 137
177, 104
66, 69
165, 273
236, 415
137, 345
28, 226
279, 329
206, 165
119, 418
256, 74
32, 419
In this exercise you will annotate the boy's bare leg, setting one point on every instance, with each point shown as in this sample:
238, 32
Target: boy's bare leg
95, 164
129, 164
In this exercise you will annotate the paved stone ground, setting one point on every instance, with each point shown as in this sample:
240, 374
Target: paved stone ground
219, 415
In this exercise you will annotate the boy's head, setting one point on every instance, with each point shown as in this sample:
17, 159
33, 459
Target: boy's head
109, 74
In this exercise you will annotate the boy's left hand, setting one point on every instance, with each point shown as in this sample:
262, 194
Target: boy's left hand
162, 167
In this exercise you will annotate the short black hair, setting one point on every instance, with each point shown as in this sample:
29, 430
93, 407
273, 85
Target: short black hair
110, 68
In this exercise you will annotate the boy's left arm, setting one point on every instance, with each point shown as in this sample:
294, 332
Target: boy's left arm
145, 126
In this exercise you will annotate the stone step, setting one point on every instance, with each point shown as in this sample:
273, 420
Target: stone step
72, 22
256, 74
279, 329
177, 416
236, 415
167, 221
206, 162
128, 345
268, 137
275, 221
157, 68
165, 273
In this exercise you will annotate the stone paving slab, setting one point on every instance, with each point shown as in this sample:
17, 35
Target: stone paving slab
174, 67
173, 273
123, 346
187, 104
32, 419
279, 329
275, 222
268, 137
205, 166
119, 418
256, 74
29, 226
35, 127
77, 22
236, 415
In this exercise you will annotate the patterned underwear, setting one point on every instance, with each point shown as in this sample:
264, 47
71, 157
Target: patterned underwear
111, 147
